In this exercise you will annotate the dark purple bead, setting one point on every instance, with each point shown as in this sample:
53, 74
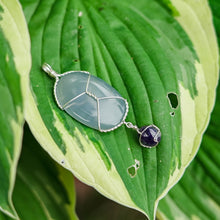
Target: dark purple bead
149, 136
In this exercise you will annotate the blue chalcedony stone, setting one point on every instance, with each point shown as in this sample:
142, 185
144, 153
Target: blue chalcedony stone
150, 136
90, 100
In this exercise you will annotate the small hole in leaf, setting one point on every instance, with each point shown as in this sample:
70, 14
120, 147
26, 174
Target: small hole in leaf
173, 100
132, 171
137, 164
172, 113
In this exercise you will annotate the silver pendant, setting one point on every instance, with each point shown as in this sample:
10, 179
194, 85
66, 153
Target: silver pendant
96, 104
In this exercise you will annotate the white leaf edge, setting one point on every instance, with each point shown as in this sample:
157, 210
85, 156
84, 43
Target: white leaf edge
14, 27
196, 19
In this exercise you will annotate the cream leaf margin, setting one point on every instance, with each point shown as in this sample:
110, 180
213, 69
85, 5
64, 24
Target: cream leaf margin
15, 30
196, 19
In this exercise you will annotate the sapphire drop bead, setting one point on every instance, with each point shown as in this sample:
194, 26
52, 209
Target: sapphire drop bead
150, 136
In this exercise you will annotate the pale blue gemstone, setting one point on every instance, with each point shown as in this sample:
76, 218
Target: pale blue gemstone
90, 100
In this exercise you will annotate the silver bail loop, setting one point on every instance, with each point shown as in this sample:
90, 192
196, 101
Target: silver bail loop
48, 69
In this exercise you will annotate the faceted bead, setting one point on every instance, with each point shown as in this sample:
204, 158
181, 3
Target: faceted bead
150, 136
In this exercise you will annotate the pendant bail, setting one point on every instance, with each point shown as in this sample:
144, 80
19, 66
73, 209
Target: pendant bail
48, 69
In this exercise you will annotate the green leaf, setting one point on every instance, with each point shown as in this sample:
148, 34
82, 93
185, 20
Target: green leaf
148, 56
215, 6
203, 202
42, 187
4, 216
14, 67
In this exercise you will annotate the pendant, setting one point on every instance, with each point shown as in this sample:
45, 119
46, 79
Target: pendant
96, 104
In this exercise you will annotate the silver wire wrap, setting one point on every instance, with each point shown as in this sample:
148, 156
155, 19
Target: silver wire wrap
130, 125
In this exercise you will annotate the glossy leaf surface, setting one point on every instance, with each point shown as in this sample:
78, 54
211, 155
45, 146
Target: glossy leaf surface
127, 45
203, 202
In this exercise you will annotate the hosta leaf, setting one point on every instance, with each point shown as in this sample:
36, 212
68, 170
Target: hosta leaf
42, 187
14, 67
168, 78
4, 216
203, 202
202, 175
215, 6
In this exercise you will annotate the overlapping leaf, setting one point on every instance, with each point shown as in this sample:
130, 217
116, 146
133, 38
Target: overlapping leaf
14, 66
42, 188
129, 46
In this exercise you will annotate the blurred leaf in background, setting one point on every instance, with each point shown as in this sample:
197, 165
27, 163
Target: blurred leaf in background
43, 189
15, 60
